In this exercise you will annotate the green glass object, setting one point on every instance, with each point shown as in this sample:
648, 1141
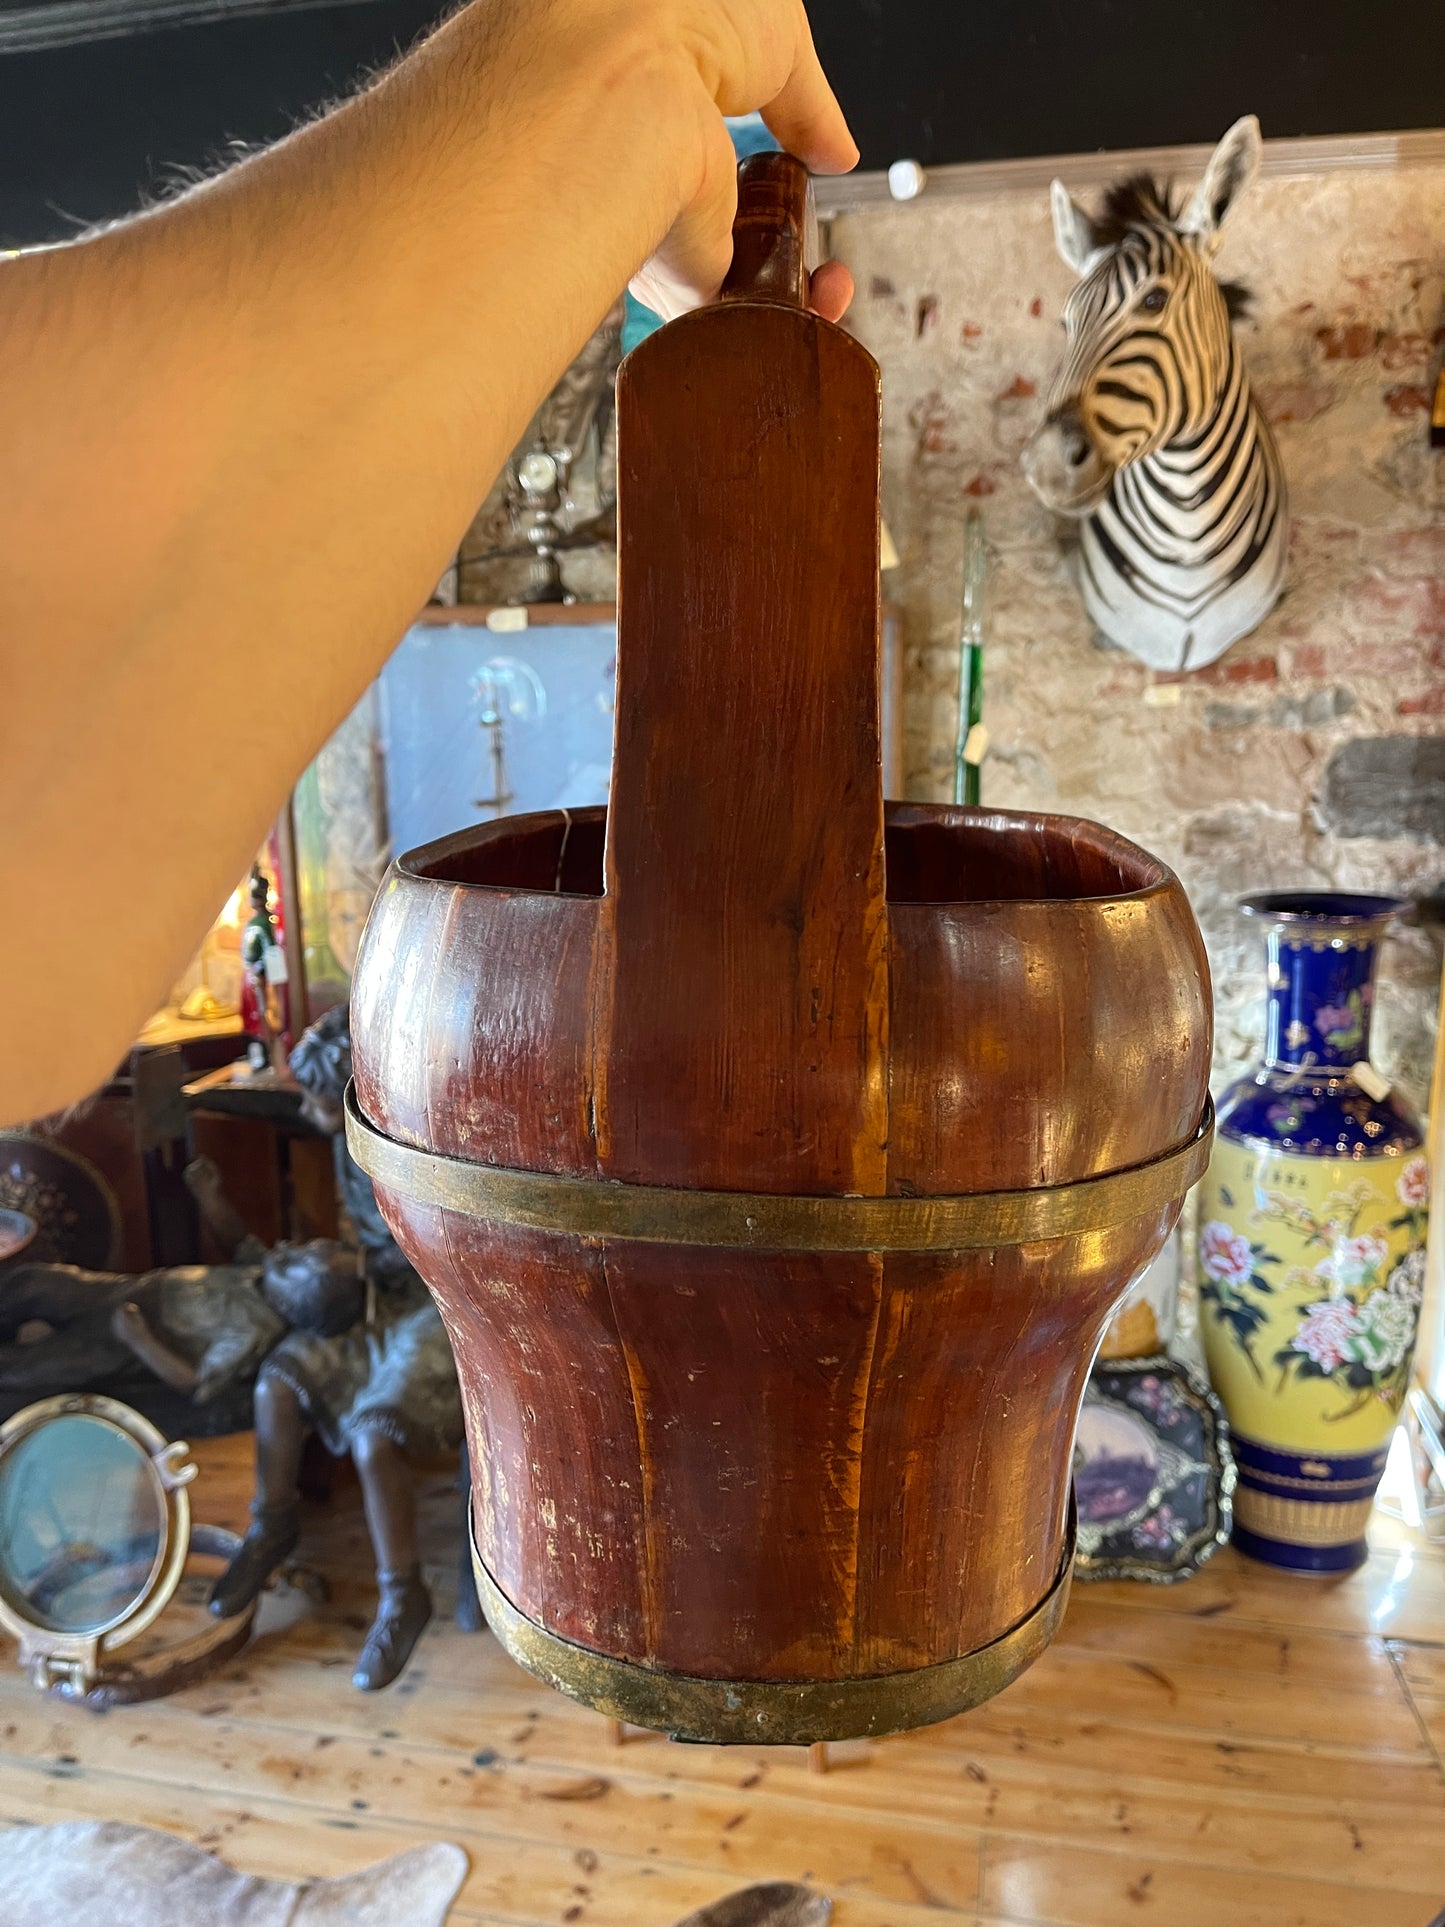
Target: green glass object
966, 771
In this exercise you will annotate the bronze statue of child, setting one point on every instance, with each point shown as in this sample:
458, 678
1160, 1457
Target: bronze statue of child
380, 1390
197, 1328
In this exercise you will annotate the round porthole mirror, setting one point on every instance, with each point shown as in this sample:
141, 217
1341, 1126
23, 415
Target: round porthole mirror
94, 1531
83, 1525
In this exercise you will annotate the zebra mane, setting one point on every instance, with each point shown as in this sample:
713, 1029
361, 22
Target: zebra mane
1142, 201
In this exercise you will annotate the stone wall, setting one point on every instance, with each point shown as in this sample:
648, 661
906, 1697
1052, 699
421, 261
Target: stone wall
1311, 755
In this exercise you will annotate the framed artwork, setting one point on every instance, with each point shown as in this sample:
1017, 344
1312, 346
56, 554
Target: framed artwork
479, 713
1153, 1472
338, 852
476, 721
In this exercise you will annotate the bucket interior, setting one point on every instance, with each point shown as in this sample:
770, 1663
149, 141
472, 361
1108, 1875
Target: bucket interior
932, 854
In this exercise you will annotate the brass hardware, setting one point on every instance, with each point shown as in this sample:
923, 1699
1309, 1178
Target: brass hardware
71, 1662
769, 1712
766, 1221
162, 1666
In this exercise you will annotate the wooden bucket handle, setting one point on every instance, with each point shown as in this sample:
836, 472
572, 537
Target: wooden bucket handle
771, 232
742, 995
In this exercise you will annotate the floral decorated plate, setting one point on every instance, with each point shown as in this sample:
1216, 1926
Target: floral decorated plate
16, 1232
1153, 1473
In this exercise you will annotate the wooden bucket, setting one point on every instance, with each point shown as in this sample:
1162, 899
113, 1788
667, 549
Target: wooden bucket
776, 1157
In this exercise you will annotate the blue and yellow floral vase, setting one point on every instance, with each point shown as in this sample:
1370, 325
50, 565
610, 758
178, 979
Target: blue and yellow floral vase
1312, 1244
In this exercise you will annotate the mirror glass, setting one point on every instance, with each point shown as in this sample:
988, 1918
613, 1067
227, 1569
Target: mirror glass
82, 1524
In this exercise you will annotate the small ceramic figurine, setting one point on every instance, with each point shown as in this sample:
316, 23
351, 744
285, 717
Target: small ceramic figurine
265, 1003
381, 1389
1152, 438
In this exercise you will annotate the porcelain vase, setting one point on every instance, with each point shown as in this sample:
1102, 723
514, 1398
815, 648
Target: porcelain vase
1312, 1243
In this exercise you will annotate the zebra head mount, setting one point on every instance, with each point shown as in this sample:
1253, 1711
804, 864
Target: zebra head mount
1152, 439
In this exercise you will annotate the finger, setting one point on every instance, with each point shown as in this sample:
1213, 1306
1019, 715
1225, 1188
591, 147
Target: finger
688, 268
830, 290
668, 294
805, 115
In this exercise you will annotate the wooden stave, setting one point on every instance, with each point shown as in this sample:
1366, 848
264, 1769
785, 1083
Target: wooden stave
534, 954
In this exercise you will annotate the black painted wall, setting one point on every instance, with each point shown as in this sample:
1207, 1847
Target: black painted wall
85, 131
962, 80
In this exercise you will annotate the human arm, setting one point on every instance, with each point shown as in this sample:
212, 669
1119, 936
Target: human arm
128, 1322
262, 418
239, 1331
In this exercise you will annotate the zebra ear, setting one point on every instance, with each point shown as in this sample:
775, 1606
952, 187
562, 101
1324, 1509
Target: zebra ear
1073, 230
1231, 168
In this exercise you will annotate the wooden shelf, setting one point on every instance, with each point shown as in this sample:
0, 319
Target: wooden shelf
476, 615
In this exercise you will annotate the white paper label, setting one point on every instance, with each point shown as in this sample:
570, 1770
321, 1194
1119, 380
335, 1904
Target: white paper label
274, 958
1370, 1081
975, 744
504, 622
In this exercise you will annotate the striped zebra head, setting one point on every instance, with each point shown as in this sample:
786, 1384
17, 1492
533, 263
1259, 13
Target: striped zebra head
1148, 325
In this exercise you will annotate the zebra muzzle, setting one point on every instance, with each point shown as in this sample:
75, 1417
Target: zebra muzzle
1062, 465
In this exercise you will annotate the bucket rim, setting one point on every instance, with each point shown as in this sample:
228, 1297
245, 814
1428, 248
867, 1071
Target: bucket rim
424, 863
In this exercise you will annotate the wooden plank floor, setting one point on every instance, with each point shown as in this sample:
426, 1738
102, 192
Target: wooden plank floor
1247, 1750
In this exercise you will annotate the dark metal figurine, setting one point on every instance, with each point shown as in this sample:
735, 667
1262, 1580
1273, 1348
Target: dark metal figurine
199, 1329
383, 1388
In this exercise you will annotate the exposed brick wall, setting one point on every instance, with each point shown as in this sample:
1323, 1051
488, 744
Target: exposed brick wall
1222, 773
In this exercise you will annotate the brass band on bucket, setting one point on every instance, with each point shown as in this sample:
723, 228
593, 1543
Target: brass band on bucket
766, 1712
767, 1221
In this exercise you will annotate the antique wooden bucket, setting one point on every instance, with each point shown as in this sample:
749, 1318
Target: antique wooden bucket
775, 1157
